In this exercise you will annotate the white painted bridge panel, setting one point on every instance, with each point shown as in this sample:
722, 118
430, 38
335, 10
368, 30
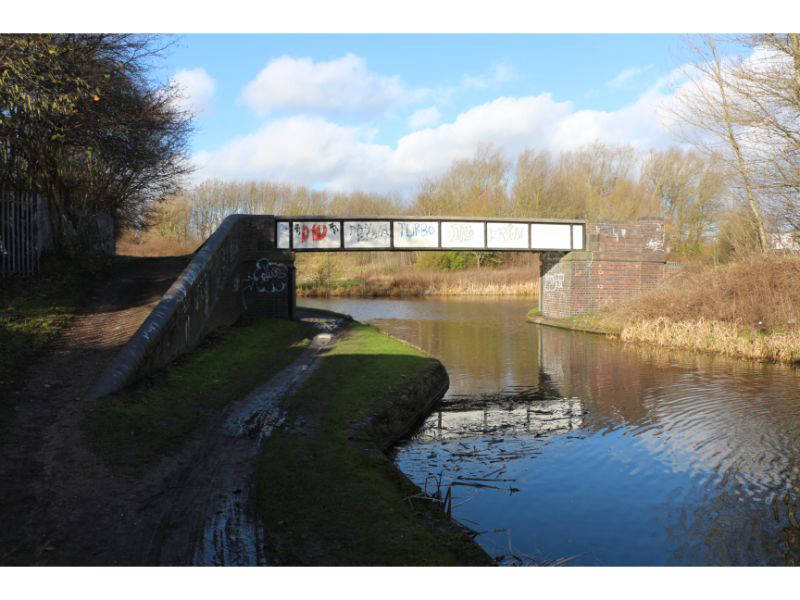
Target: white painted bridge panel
416, 234
321, 234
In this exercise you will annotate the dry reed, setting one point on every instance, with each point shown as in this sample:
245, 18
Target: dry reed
720, 337
409, 282
747, 309
760, 291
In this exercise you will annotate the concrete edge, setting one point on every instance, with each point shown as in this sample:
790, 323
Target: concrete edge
571, 325
127, 361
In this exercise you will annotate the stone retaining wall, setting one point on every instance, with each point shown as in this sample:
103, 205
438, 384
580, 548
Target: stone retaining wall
236, 270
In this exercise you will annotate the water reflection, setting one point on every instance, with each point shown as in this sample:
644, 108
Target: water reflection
563, 444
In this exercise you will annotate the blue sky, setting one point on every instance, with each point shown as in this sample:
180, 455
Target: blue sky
382, 112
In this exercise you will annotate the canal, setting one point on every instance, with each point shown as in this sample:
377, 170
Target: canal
569, 447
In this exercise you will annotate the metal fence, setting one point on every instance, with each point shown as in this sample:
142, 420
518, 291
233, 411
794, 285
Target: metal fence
23, 233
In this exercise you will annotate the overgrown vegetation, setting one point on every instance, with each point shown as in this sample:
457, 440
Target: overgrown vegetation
415, 282
750, 309
761, 292
155, 417
82, 122
327, 493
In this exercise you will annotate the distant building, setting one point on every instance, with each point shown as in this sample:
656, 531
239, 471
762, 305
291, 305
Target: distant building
789, 242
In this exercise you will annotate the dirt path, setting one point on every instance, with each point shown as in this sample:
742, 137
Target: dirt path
60, 505
212, 518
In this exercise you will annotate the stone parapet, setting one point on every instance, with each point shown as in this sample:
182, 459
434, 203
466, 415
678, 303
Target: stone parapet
236, 271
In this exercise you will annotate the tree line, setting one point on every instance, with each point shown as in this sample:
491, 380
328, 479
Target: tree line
83, 122
598, 182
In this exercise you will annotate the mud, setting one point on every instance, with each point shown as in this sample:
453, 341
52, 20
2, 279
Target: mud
68, 507
213, 519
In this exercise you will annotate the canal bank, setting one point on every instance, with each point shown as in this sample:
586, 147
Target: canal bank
558, 444
698, 335
218, 465
748, 309
326, 490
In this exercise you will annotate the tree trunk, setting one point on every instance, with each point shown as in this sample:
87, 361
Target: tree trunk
741, 165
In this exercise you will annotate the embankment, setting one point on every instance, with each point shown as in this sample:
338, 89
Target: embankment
327, 491
748, 309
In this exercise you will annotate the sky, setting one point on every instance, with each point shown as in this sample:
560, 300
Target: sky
380, 113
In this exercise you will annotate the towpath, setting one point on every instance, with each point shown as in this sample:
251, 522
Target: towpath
59, 502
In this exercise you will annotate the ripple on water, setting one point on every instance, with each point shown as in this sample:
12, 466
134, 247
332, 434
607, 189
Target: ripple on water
591, 449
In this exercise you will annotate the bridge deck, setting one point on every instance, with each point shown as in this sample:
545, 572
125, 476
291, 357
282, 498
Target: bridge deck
331, 234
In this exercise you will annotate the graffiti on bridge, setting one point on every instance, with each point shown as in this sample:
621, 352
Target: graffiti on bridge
267, 278
553, 282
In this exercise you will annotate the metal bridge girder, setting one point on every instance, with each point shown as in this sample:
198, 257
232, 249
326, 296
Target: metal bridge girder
331, 234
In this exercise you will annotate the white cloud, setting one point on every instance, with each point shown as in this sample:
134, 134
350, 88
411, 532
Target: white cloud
626, 75
312, 150
196, 89
343, 84
300, 149
424, 117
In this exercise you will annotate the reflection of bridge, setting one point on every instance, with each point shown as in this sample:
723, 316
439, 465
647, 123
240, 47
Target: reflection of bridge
247, 267
476, 417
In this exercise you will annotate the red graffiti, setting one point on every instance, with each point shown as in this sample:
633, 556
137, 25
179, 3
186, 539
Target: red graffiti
304, 234
319, 232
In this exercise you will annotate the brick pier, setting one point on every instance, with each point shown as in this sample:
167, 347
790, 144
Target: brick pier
620, 261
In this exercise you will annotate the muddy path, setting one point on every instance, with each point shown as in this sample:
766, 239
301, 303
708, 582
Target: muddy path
59, 503
212, 519
63, 505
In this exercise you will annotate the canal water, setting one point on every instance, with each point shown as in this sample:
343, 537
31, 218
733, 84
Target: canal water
559, 446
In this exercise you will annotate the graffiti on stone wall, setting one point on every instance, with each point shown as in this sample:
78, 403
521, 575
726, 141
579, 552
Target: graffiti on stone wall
267, 278
553, 282
655, 244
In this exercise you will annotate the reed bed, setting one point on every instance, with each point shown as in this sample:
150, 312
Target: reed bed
761, 291
411, 282
730, 339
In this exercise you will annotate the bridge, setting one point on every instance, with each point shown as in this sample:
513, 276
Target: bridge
246, 267
319, 234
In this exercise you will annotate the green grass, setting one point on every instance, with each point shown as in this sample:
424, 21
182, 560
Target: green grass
327, 492
155, 417
592, 323
34, 310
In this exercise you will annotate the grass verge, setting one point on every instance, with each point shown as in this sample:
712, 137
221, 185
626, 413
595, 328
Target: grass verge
592, 323
326, 490
155, 417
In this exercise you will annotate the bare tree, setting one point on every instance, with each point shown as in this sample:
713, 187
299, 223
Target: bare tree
768, 86
719, 122
688, 188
